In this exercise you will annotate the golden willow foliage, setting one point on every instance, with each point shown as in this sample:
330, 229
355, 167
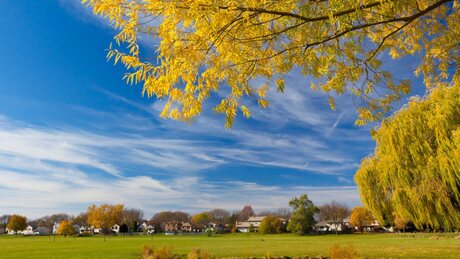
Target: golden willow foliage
414, 173
204, 45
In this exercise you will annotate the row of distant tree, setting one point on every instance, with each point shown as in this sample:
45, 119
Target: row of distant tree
106, 215
299, 217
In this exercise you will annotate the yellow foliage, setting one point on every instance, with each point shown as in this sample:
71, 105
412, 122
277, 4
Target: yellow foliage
199, 254
206, 44
161, 253
105, 215
414, 173
17, 223
347, 252
360, 217
65, 228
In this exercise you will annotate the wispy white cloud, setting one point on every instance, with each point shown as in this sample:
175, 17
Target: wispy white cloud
44, 170
83, 13
38, 195
133, 157
336, 123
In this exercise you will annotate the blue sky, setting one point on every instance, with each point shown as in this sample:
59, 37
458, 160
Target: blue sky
72, 133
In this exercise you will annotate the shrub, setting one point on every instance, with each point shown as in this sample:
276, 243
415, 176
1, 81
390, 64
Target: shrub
347, 252
199, 254
270, 225
162, 253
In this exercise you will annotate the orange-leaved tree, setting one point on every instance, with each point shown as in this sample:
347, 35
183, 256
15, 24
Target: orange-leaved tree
65, 228
16, 223
361, 217
105, 216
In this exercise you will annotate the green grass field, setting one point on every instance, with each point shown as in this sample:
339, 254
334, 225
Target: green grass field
244, 245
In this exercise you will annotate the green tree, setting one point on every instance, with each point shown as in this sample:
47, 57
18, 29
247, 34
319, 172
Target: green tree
204, 44
65, 228
17, 223
414, 172
270, 225
302, 215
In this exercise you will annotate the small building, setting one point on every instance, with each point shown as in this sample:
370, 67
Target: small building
55, 227
96, 231
372, 227
243, 226
28, 231
173, 227
83, 230
216, 227
329, 226
322, 226
115, 228
254, 222
145, 227
186, 227
43, 231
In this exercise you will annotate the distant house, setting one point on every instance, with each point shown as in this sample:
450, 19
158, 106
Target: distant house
29, 230
145, 227
322, 226
42, 231
243, 226
173, 227
374, 226
217, 227
183, 227
55, 227
116, 228
82, 230
186, 227
254, 222
326, 226
85, 230
96, 230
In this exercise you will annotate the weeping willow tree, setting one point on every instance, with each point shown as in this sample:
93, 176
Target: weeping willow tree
414, 172
184, 50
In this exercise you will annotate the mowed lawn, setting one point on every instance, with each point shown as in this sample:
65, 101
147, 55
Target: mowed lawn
232, 245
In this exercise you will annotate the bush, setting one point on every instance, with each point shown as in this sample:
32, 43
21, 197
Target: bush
347, 252
199, 254
162, 253
271, 225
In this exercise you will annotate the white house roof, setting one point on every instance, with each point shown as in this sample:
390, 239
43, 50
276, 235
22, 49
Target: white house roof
243, 224
256, 219
321, 224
